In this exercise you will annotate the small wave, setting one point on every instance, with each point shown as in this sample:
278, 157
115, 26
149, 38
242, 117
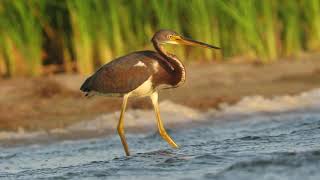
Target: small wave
171, 113
256, 104
250, 138
21, 133
164, 153
7, 157
292, 160
210, 157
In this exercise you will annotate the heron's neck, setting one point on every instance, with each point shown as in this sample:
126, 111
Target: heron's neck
173, 63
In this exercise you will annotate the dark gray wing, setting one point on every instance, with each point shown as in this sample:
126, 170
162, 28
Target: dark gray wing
121, 75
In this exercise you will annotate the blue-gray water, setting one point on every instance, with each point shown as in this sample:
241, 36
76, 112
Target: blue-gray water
271, 146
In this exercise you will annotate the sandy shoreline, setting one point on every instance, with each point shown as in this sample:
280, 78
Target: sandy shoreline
47, 103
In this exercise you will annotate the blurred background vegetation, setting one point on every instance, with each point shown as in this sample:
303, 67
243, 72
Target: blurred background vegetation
79, 35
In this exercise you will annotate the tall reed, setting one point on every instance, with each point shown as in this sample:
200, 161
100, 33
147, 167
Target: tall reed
312, 23
292, 31
22, 36
81, 19
91, 33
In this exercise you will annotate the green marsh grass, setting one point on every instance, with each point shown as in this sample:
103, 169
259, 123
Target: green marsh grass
291, 27
91, 33
21, 35
312, 26
81, 13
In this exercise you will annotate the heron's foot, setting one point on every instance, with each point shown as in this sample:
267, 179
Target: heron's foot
174, 145
170, 141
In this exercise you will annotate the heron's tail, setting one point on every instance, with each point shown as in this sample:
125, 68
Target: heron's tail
85, 87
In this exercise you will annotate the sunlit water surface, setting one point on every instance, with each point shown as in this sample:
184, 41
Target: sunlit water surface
278, 145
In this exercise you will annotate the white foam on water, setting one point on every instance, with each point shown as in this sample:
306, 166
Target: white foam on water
258, 104
172, 113
20, 134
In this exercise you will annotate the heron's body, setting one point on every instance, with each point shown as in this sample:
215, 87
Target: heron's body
138, 74
141, 74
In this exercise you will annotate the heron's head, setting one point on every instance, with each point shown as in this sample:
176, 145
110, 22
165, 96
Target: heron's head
171, 37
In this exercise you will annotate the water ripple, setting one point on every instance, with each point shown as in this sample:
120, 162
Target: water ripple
283, 146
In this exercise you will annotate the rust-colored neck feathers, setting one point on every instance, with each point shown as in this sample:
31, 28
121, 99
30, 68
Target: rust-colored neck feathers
173, 64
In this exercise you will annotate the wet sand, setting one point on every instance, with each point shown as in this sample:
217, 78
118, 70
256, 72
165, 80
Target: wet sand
55, 102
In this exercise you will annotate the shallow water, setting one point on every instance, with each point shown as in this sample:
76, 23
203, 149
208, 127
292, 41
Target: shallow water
278, 145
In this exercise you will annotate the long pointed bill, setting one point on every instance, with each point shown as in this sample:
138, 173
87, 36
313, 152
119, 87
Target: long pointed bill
191, 42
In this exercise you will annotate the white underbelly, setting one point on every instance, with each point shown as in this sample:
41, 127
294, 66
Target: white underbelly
145, 89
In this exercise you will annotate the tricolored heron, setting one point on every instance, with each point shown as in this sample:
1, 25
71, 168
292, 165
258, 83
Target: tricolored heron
141, 74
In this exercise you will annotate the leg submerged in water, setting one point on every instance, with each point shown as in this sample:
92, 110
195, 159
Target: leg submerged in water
120, 127
162, 131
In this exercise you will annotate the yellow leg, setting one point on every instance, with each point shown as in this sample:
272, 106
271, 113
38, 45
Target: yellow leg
120, 126
162, 131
